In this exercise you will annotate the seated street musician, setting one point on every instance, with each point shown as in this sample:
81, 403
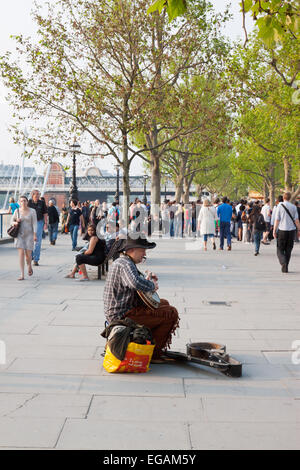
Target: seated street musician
121, 297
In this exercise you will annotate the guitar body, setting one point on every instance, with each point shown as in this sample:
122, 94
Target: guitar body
150, 299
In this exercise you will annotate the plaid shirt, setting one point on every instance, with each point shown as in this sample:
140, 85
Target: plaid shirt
123, 280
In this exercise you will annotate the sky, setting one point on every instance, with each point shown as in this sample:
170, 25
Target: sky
15, 19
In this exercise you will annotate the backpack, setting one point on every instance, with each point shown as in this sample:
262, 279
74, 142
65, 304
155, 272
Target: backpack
260, 223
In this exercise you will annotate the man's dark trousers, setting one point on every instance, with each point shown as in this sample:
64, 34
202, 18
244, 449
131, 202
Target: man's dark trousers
285, 243
225, 232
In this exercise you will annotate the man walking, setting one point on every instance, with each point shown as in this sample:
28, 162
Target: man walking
53, 219
41, 213
224, 212
286, 221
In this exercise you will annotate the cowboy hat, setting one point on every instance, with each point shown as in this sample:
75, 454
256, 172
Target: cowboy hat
139, 242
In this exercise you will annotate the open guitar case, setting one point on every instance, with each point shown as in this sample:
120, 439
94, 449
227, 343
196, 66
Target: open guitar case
210, 355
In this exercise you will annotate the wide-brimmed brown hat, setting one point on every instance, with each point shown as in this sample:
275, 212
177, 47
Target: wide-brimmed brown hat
139, 242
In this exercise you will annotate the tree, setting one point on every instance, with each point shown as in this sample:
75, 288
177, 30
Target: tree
267, 120
90, 73
274, 18
196, 49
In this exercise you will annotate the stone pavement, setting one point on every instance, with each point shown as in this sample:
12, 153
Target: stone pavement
54, 393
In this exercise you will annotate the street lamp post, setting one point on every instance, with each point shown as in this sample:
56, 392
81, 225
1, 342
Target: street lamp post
145, 189
25, 132
75, 148
117, 195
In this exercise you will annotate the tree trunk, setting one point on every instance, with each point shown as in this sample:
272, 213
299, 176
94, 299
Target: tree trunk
287, 174
199, 189
155, 184
187, 181
271, 185
152, 141
126, 187
178, 188
186, 190
296, 192
265, 191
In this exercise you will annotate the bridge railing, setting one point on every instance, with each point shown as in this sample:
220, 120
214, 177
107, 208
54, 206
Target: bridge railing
5, 222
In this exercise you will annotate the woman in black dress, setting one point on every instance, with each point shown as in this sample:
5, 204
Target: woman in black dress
93, 256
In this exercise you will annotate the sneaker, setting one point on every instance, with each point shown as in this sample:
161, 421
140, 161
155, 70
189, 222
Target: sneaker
255, 254
36, 263
229, 248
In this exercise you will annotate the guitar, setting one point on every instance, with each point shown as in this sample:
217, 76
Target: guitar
150, 299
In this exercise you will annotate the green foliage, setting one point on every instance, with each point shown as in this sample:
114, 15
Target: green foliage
174, 8
275, 19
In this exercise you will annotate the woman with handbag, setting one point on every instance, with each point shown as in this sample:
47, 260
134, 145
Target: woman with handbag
26, 219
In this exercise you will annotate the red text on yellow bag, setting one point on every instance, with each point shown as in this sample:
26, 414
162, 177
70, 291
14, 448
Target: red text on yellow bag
137, 359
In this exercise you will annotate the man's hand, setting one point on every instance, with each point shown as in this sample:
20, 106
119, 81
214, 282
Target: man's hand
156, 284
151, 276
274, 234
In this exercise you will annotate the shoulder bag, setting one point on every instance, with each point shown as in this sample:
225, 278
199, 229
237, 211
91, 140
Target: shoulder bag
13, 230
288, 212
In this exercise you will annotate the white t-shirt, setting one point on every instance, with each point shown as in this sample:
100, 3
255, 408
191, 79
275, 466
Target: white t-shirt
266, 211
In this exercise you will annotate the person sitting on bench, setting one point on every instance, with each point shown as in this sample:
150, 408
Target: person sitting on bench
93, 256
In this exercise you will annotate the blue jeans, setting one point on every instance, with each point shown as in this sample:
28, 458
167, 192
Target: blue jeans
74, 233
52, 231
171, 227
206, 235
225, 232
257, 238
37, 246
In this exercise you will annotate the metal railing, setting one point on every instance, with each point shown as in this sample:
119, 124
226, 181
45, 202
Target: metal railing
5, 222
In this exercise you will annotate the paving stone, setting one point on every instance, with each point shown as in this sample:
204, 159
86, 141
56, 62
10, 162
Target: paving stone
263, 372
56, 366
123, 435
11, 401
70, 336
245, 436
293, 387
53, 406
225, 386
251, 409
51, 352
135, 385
76, 319
39, 383
157, 409
280, 357
30, 432
61, 349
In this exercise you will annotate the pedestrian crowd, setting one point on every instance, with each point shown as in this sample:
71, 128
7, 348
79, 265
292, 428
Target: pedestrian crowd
101, 224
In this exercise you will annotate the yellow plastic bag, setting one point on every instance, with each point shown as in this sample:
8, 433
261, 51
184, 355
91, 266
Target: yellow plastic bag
137, 359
